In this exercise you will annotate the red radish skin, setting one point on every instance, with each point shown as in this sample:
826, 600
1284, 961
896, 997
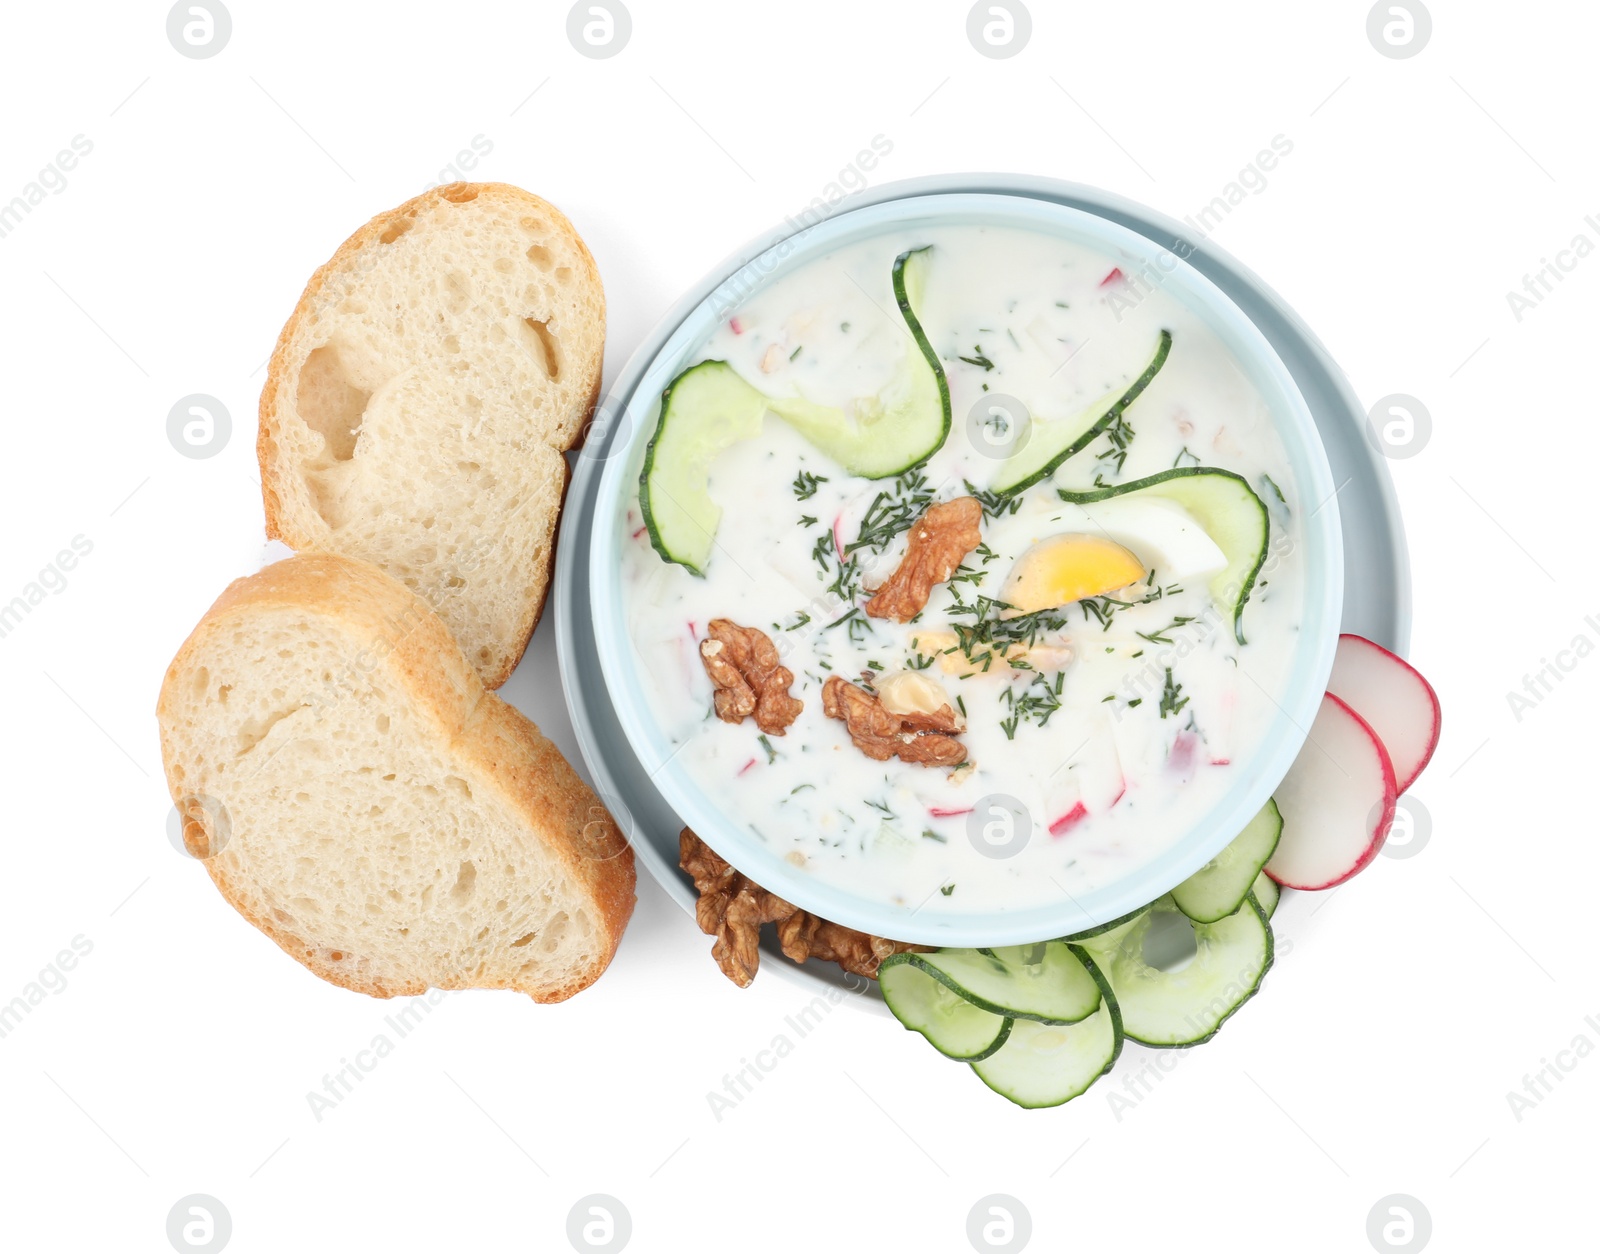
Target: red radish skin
838, 540
1114, 277
1069, 820
746, 766
1394, 699
1340, 781
736, 326
939, 812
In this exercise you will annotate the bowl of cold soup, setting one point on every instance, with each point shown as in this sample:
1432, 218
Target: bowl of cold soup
967, 571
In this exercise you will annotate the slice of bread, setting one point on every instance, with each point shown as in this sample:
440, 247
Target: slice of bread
359, 797
421, 396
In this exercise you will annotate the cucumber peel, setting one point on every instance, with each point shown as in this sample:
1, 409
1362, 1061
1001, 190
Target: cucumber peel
950, 1023
709, 407
1217, 889
1186, 1006
1042, 1065
1227, 509
704, 411
1267, 893
1045, 983
1051, 442
886, 440
1089, 935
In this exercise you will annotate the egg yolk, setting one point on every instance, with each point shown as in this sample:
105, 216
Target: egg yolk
1067, 568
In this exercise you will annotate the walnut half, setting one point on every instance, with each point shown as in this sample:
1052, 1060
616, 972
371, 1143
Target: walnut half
921, 738
938, 543
732, 908
742, 663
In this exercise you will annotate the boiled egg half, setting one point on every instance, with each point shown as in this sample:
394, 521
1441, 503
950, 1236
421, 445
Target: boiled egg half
1111, 545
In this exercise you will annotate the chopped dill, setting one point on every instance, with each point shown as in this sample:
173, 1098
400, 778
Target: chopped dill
1035, 704
1170, 702
1120, 434
995, 505
1161, 637
805, 485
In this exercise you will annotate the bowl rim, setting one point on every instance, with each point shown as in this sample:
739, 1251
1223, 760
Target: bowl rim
632, 414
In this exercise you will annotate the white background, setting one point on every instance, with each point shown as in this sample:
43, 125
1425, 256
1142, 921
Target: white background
1378, 1058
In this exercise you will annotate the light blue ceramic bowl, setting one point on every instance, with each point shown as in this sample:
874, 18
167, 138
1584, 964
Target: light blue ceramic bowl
1257, 777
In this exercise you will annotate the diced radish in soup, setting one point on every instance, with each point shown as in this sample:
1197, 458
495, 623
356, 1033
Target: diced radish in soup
1180, 761
1069, 820
1397, 703
1337, 802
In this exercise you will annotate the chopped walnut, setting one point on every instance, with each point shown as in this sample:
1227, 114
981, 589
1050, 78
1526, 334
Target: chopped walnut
732, 908
938, 542
803, 936
743, 664
924, 739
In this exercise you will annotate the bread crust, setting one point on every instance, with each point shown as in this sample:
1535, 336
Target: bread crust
283, 371
500, 748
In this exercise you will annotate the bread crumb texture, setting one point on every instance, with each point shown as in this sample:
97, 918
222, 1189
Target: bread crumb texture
421, 396
367, 805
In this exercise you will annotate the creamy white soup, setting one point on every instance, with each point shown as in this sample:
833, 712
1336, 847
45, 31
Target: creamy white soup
1097, 690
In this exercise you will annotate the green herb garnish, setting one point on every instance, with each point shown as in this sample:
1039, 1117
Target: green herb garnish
1161, 637
1170, 703
994, 505
805, 485
892, 512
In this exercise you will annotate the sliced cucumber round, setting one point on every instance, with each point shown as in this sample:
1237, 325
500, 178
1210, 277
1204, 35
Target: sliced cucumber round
1217, 889
1050, 442
1047, 982
704, 411
883, 440
1091, 935
1108, 936
1227, 509
1044, 1064
1267, 893
1186, 1006
952, 1024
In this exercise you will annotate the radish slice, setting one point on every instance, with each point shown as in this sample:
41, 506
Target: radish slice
1397, 703
1337, 802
